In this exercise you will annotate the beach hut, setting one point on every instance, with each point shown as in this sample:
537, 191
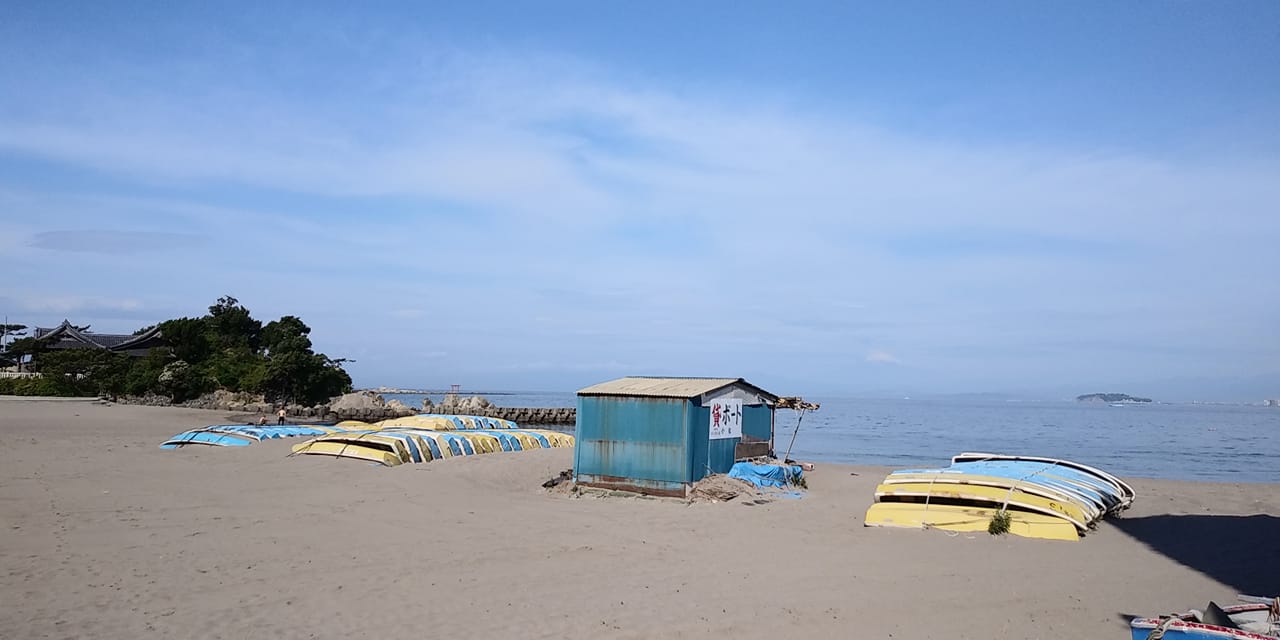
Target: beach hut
658, 435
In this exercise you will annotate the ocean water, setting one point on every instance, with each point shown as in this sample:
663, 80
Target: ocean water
1172, 441
1226, 443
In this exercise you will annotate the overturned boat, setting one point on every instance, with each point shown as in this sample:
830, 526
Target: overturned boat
395, 445
1027, 496
414, 439
238, 435
1030, 500
1253, 621
1126, 492
377, 452
967, 519
206, 437
447, 422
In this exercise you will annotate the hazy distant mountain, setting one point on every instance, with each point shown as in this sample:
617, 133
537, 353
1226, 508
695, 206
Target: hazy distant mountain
1110, 397
1243, 389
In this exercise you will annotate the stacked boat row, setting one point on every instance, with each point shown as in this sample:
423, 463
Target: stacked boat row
436, 422
419, 438
395, 445
1035, 497
237, 435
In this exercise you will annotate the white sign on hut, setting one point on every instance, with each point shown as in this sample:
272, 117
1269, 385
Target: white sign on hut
726, 418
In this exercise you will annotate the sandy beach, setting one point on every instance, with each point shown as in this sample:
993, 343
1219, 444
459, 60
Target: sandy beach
105, 535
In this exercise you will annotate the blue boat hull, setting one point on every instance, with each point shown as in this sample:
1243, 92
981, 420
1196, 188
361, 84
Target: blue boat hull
214, 438
1254, 616
1103, 497
1191, 631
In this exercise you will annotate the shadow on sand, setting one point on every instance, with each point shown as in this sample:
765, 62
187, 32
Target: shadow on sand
1239, 551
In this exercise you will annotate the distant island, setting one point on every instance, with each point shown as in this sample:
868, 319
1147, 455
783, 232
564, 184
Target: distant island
1110, 397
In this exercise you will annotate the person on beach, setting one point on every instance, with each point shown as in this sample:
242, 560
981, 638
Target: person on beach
280, 416
262, 420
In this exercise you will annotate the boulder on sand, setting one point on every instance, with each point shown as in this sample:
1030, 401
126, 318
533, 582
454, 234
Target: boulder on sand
357, 401
474, 405
399, 409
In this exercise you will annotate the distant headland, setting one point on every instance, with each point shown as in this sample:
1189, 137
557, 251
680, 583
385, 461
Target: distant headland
437, 392
1110, 397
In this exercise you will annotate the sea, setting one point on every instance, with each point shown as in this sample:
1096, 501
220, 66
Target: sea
1226, 443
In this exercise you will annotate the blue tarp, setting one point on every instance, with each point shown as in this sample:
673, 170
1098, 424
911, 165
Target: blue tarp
765, 475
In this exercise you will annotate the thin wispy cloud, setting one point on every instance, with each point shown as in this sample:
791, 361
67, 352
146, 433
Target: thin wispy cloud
47, 304
881, 357
113, 242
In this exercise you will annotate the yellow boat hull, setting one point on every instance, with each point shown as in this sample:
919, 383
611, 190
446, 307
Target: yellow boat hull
480, 443
558, 439
447, 423
354, 425
389, 447
1087, 510
347, 450
374, 440
433, 423
995, 497
911, 515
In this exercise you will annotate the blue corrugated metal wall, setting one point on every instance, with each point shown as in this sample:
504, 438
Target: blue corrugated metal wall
643, 440
708, 456
757, 421
699, 445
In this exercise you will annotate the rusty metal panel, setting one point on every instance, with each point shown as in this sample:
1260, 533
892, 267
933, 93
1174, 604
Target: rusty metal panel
648, 487
746, 450
637, 439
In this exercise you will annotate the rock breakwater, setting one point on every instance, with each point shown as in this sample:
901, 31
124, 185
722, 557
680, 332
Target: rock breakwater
365, 406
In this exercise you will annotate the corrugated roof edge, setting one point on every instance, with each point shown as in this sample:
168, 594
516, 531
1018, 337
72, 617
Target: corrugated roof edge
676, 387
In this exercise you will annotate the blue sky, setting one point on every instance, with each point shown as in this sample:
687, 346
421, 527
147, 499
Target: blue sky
821, 197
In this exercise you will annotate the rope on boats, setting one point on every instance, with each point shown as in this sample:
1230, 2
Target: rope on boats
928, 495
1009, 495
925, 524
1158, 632
343, 450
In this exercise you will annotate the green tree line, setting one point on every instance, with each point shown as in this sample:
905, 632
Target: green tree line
225, 349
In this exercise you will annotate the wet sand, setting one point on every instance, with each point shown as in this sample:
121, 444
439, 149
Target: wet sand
105, 535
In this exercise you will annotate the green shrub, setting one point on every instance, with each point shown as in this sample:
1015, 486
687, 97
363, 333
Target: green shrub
59, 386
227, 349
1000, 523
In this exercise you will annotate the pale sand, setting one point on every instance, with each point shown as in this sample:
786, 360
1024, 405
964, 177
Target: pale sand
106, 536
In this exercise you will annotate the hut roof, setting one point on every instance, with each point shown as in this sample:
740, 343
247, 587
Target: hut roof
657, 387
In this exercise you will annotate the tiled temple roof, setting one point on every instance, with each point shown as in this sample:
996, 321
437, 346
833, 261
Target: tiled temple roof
66, 336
